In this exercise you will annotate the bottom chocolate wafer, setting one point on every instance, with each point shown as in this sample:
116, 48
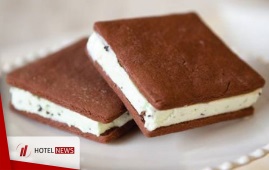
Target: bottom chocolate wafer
105, 137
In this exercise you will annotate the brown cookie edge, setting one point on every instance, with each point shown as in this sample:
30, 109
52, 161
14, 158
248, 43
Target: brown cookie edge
106, 137
173, 128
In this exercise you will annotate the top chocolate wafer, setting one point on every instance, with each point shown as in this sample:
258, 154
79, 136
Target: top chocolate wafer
176, 60
69, 79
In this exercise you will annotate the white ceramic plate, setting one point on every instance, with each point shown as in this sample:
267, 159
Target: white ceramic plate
192, 149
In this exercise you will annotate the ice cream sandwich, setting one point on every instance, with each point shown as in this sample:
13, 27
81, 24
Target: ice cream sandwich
64, 90
172, 72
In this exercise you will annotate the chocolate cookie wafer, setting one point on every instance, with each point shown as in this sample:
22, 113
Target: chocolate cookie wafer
64, 90
172, 72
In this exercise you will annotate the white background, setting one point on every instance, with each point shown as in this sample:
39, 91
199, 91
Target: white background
31, 24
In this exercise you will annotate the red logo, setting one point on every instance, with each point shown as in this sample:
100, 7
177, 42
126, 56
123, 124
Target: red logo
23, 150
64, 150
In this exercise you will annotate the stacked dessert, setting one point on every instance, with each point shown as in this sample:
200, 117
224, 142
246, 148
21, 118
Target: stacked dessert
172, 73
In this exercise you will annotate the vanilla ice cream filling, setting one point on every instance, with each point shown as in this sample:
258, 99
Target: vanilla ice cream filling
102, 53
25, 101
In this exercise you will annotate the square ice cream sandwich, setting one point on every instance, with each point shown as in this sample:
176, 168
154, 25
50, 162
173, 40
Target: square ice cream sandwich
64, 90
172, 72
